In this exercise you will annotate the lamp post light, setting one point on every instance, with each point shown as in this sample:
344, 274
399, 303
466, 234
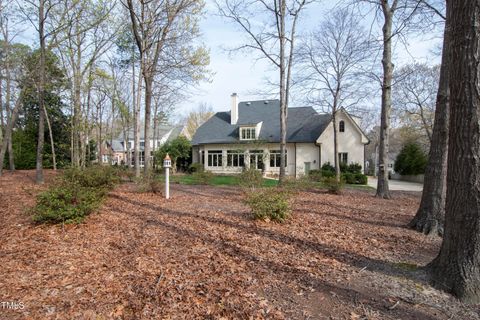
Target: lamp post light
167, 164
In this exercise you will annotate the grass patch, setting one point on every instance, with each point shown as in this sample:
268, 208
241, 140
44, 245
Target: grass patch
217, 180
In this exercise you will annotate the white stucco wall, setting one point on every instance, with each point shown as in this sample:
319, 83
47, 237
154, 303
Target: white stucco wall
307, 152
232, 170
351, 141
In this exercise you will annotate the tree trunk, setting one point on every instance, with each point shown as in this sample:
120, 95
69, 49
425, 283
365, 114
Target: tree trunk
41, 96
336, 160
283, 89
148, 110
8, 133
457, 267
11, 158
430, 215
2, 119
382, 186
136, 144
154, 136
54, 159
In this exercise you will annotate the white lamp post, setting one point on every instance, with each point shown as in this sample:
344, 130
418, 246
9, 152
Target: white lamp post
167, 164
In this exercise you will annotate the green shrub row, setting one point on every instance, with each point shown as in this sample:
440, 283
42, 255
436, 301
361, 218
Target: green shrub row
74, 195
350, 174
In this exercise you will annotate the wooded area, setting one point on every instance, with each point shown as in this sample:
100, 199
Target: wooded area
94, 70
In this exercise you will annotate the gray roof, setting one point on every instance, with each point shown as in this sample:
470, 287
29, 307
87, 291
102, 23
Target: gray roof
303, 124
162, 130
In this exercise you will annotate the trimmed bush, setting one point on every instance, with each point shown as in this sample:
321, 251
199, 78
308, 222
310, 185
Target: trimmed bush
354, 168
349, 178
328, 167
251, 178
74, 195
361, 179
269, 204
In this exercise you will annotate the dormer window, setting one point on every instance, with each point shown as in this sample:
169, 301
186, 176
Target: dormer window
248, 133
341, 126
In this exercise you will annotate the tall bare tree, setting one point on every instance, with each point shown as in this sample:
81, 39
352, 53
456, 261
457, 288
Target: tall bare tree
456, 268
274, 39
333, 59
196, 118
431, 212
415, 97
156, 25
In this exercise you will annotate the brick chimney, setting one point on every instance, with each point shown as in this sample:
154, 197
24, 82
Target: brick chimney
234, 113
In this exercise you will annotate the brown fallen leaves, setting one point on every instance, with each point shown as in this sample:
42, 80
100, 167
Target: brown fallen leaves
201, 256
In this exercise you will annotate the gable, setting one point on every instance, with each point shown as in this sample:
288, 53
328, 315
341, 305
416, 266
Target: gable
351, 128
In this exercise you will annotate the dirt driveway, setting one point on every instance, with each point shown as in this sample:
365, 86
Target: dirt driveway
201, 256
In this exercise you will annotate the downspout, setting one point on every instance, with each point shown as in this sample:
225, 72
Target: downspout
319, 145
295, 170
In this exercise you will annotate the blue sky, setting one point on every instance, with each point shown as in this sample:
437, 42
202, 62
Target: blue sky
244, 74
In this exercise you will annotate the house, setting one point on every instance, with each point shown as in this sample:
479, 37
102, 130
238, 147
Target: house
249, 135
163, 134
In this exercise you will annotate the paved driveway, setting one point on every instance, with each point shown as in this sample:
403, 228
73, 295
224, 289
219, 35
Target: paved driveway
398, 185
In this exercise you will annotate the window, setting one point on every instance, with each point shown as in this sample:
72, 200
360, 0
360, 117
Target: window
256, 159
235, 158
341, 126
142, 144
275, 158
343, 157
247, 134
215, 158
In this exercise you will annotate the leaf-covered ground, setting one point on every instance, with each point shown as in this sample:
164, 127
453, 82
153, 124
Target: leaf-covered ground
201, 256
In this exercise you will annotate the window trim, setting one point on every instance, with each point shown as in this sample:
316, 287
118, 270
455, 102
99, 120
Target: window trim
235, 159
248, 133
275, 156
215, 158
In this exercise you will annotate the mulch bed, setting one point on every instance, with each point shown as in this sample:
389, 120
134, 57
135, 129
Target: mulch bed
201, 256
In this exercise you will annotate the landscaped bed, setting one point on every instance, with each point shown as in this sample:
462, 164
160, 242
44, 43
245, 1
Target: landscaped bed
201, 256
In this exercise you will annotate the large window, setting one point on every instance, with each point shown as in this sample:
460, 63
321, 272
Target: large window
256, 159
341, 126
343, 157
275, 158
247, 134
235, 158
215, 158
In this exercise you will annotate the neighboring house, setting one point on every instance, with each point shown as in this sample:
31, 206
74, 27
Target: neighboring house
395, 144
249, 136
119, 145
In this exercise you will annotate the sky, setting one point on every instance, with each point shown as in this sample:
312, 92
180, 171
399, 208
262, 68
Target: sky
244, 74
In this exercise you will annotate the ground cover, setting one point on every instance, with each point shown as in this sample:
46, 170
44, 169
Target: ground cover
201, 256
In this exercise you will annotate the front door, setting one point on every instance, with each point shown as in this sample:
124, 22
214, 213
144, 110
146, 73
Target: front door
307, 168
256, 159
